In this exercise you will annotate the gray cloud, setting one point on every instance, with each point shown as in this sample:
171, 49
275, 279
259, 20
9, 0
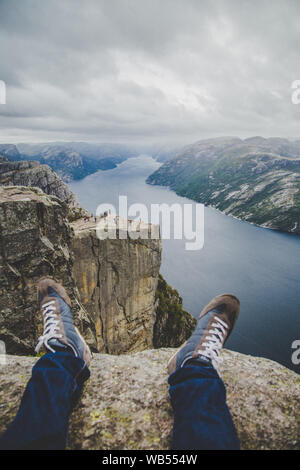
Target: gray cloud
135, 70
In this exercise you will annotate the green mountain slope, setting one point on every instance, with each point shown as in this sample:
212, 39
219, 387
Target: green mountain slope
71, 161
255, 179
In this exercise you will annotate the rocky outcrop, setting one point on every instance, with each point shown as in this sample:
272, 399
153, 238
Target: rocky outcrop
173, 325
33, 174
125, 404
35, 240
112, 283
117, 281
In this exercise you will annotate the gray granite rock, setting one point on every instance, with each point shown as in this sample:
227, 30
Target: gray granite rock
125, 404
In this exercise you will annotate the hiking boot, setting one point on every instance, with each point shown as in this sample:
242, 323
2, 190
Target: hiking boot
214, 326
59, 334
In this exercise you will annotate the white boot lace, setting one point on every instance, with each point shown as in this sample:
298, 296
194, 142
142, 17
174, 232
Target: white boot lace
51, 326
214, 342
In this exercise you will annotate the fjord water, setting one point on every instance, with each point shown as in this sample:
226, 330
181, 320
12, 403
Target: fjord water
260, 266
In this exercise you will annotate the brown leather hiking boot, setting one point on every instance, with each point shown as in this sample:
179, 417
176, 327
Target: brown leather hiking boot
59, 330
214, 326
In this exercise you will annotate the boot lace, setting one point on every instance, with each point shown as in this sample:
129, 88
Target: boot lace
51, 326
214, 342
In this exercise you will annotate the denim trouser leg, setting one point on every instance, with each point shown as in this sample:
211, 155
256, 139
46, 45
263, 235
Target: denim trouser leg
201, 417
49, 397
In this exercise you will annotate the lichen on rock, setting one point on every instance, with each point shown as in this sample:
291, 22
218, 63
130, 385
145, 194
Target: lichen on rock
125, 403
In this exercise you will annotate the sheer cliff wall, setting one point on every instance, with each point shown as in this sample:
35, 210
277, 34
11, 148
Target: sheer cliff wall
117, 281
112, 283
35, 240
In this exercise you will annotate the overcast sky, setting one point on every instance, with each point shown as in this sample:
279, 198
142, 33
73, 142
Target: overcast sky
148, 70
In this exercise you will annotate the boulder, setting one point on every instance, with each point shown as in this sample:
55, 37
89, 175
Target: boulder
125, 403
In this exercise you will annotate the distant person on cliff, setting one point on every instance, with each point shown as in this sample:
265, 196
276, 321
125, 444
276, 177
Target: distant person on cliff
201, 417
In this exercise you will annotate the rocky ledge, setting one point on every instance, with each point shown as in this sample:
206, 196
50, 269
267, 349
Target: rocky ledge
33, 174
125, 404
112, 283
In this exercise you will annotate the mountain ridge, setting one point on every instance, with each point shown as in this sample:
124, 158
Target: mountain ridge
70, 160
34, 174
256, 179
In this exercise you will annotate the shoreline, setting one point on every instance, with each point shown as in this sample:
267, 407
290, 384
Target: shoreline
224, 213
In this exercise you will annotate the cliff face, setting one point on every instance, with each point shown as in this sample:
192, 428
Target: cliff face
35, 240
173, 325
33, 174
263, 397
117, 281
112, 283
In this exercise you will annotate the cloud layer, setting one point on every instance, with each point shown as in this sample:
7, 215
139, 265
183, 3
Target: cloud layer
139, 70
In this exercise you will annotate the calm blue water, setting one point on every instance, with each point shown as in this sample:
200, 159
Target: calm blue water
260, 266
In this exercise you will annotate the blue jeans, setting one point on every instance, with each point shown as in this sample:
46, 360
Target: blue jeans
201, 417
51, 393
